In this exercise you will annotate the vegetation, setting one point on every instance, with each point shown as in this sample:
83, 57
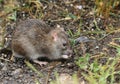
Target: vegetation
102, 18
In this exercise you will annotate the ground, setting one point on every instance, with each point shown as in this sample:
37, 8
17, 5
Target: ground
88, 31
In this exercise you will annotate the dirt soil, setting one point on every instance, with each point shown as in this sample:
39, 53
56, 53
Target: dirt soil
80, 21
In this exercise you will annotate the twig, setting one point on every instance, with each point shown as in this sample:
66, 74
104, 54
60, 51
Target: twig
50, 71
62, 19
33, 68
1, 58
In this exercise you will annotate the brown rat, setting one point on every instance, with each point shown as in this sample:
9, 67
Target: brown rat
34, 39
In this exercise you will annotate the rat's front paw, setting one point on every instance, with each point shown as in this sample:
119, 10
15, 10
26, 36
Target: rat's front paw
41, 63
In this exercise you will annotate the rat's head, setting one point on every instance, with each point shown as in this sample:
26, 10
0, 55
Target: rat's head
61, 45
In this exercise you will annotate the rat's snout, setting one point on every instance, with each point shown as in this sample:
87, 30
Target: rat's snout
67, 54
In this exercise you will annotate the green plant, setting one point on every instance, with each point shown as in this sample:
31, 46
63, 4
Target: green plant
97, 73
1, 1
83, 62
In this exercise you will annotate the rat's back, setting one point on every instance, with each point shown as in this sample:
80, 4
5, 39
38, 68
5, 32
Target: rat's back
31, 25
27, 35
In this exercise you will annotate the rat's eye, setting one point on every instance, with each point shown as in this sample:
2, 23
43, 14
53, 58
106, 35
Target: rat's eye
65, 44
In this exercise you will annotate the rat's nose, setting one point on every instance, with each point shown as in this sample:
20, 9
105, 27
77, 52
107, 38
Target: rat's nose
69, 52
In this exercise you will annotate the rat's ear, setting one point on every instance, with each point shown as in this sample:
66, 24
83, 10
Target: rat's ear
54, 35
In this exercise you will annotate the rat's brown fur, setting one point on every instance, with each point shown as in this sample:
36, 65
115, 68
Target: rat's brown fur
34, 39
